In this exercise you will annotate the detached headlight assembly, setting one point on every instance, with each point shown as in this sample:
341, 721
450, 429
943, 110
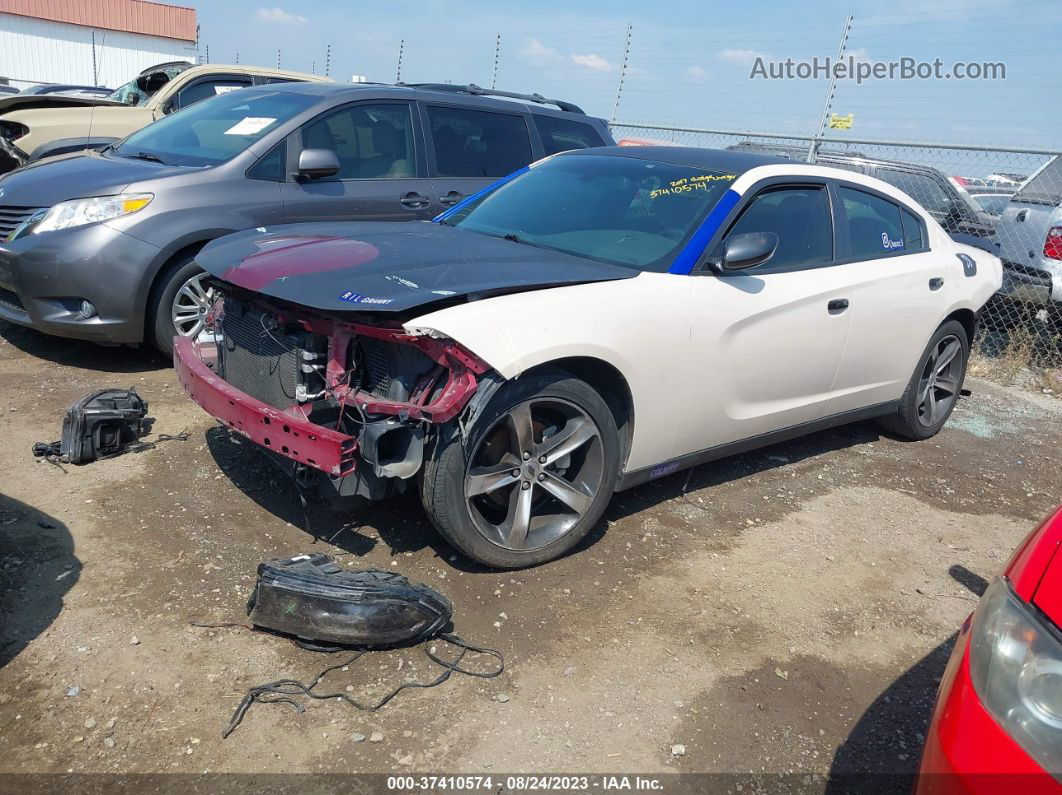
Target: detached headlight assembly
1016, 667
79, 212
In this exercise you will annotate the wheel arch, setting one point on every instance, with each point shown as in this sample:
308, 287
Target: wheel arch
968, 319
607, 380
159, 276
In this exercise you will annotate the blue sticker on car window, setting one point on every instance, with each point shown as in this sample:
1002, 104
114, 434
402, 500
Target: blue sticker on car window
888, 243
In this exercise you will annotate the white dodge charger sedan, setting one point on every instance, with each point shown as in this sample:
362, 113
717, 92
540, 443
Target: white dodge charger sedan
599, 319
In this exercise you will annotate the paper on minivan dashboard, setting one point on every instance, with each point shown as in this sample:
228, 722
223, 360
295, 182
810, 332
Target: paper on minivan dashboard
249, 125
225, 89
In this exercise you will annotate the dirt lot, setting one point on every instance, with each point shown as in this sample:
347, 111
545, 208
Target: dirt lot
787, 611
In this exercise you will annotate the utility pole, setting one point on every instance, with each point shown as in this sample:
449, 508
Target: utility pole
816, 140
623, 72
497, 54
401, 47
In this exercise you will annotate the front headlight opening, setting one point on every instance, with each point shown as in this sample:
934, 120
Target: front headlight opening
80, 212
1016, 667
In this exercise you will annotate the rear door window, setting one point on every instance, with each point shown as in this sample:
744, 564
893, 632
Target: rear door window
476, 143
559, 135
874, 226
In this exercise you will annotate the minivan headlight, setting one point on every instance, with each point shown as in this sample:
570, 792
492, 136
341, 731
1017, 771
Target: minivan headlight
1016, 667
79, 212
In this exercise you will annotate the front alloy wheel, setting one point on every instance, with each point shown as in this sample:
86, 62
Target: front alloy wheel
190, 306
534, 474
529, 475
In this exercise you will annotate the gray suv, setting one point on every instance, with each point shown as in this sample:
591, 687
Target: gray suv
100, 245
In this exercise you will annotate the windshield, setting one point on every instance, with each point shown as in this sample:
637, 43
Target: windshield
620, 210
214, 130
130, 90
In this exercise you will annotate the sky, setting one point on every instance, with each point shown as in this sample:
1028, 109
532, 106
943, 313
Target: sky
688, 63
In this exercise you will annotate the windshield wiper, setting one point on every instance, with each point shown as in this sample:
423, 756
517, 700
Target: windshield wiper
146, 156
513, 238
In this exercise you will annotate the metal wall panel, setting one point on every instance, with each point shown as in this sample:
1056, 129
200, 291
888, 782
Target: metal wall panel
130, 16
41, 51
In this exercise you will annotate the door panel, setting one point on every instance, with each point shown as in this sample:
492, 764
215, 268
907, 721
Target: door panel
900, 297
379, 177
771, 337
769, 352
897, 313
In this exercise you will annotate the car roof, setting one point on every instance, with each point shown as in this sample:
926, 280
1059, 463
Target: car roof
714, 159
414, 92
254, 70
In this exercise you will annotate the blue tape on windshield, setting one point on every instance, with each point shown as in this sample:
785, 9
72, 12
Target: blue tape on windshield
469, 199
686, 260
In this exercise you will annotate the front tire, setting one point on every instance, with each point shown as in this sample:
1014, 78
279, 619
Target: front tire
935, 386
179, 304
531, 477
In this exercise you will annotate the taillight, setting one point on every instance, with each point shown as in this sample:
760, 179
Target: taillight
1053, 243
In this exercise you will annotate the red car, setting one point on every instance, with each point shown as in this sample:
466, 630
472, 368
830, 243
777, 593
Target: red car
997, 726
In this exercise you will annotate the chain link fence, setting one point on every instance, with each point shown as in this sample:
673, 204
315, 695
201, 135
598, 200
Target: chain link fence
1006, 200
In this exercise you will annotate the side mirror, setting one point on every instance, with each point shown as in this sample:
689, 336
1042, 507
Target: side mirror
318, 163
132, 99
747, 250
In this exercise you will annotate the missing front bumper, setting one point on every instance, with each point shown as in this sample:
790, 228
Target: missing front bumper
287, 434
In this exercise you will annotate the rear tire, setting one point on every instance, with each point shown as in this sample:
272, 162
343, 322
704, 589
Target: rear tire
168, 300
935, 386
509, 511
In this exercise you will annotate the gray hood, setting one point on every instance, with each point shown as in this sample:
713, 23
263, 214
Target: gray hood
76, 176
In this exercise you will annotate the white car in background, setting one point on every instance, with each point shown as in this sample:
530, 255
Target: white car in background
599, 319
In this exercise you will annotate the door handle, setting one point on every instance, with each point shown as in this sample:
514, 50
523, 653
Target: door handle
837, 306
415, 200
936, 283
451, 198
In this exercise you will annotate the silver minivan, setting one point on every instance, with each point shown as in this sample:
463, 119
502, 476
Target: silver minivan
1030, 241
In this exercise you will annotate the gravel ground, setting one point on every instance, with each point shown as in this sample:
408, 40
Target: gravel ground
787, 611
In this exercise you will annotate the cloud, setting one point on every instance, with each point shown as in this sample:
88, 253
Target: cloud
740, 55
279, 15
860, 55
538, 53
592, 61
696, 71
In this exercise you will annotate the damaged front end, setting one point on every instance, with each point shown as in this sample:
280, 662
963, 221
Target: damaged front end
344, 405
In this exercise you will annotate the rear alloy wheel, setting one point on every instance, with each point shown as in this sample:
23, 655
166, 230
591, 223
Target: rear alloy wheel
534, 475
935, 387
941, 380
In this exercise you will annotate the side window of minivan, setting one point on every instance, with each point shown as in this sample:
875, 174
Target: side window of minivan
372, 141
559, 135
477, 143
